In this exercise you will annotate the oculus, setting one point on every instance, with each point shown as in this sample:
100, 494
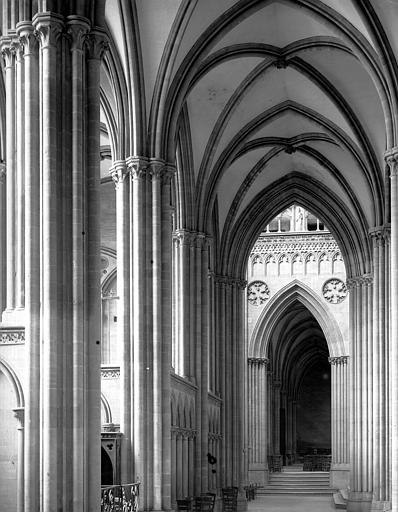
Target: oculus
334, 291
258, 293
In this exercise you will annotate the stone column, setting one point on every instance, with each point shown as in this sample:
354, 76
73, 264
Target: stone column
185, 464
3, 242
220, 326
162, 343
361, 308
203, 340
8, 51
121, 178
19, 180
340, 422
289, 430
32, 266
187, 349
173, 465
77, 29
392, 161
179, 465
294, 430
191, 455
276, 422
258, 405
233, 393
96, 46
19, 414
49, 29
380, 372
139, 364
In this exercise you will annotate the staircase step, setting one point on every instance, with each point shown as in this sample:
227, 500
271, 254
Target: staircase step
298, 483
339, 501
313, 492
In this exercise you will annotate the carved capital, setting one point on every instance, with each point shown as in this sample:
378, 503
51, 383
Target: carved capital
391, 158
185, 237
377, 235
258, 361
161, 170
138, 167
28, 40
8, 53
19, 413
118, 172
19, 51
357, 281
387, 234
48, 28
97, 44
77, 30
338, 360
3, 172
231, 281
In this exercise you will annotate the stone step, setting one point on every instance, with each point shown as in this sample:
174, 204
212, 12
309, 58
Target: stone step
309, 491
298, 474
302, 479
291, 485
339, 501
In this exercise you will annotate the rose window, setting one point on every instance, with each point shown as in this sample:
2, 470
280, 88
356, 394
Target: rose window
334, 291
257, 293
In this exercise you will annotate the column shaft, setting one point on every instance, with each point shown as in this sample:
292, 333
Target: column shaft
19, 181
96, 49
52, 372
32, 268
9, 55
203, 339
392, 159
76, 30
139, 362
122, 181
3, 240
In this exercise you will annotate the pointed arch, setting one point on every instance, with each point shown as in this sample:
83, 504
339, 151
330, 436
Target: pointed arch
107, 409
350, 232
275, 310
11, 375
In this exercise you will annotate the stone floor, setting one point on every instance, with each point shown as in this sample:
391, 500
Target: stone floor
291, 504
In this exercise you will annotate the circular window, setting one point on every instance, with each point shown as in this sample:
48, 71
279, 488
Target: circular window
257, 293
334, 291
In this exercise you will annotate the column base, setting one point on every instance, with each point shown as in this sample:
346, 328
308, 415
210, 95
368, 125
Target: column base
359, 501
340, 476
258, 474
380, 506
242, 503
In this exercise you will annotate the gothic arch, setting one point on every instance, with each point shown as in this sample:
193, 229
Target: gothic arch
106, 408
277, 305
351, 233
6, 369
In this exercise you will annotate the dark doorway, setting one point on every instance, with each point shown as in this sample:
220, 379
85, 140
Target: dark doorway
106, 469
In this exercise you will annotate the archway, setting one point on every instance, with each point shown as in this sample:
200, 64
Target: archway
106, 468
298, 328
11, 449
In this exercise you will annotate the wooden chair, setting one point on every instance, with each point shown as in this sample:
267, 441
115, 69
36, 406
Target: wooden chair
230, 499
185, 504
